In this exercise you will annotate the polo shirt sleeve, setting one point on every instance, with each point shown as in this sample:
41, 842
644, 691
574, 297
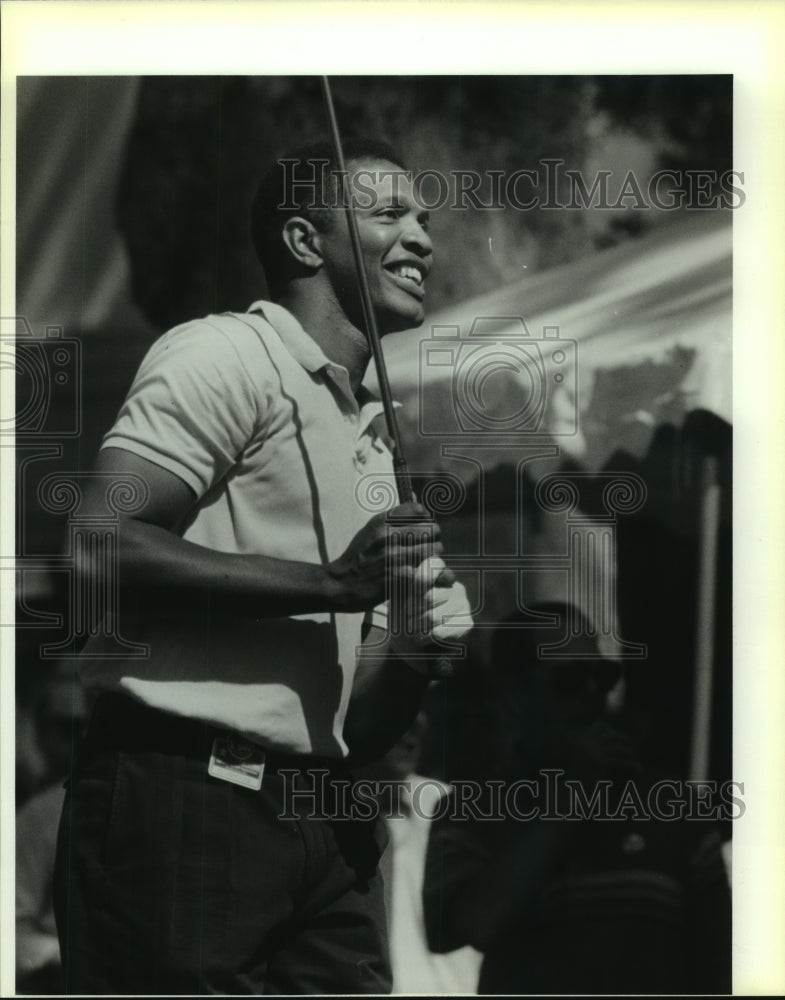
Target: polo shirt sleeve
201, 394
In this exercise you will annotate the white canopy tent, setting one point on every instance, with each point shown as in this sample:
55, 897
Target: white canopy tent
663, 301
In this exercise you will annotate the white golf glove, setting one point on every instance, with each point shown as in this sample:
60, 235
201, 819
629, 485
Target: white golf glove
428, 613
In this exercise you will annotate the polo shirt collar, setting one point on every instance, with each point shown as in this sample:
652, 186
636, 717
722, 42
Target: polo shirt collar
304, 349
370, 407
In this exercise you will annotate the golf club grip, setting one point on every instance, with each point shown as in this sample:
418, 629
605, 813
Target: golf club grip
403, 481
442, 663
443, 667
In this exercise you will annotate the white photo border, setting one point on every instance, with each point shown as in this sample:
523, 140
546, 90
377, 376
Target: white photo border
118, 37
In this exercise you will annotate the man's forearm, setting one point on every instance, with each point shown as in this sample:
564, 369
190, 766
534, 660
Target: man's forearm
162, 573
156, 565
387, 690
386, 697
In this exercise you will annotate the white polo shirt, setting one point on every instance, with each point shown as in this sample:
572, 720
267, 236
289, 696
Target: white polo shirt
250, 413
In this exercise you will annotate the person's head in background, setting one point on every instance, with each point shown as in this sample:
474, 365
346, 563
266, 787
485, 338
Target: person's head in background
546, 695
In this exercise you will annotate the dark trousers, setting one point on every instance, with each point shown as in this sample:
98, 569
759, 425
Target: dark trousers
169, 880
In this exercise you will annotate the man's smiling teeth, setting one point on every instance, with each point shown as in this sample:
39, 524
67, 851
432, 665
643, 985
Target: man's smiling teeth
406, 271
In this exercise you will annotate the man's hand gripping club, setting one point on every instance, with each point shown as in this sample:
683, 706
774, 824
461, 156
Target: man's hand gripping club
396, 558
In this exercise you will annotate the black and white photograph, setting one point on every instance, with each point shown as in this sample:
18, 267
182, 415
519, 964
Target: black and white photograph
371, 529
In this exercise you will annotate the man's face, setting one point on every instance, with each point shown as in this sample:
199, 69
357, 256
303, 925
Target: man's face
551, 701
396, 247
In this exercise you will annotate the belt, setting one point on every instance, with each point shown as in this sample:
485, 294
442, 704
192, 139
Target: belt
122, 723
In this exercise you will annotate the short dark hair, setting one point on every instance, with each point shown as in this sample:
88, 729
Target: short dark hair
294, 185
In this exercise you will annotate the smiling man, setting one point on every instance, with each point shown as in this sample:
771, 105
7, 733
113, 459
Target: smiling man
300, 233
260, 585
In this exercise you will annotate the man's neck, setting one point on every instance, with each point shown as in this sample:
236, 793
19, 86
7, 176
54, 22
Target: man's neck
328, 325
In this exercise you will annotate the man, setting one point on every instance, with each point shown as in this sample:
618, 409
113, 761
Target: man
564, 896
251, 570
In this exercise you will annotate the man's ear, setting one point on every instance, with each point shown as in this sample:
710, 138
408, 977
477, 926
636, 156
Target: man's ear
302, 240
